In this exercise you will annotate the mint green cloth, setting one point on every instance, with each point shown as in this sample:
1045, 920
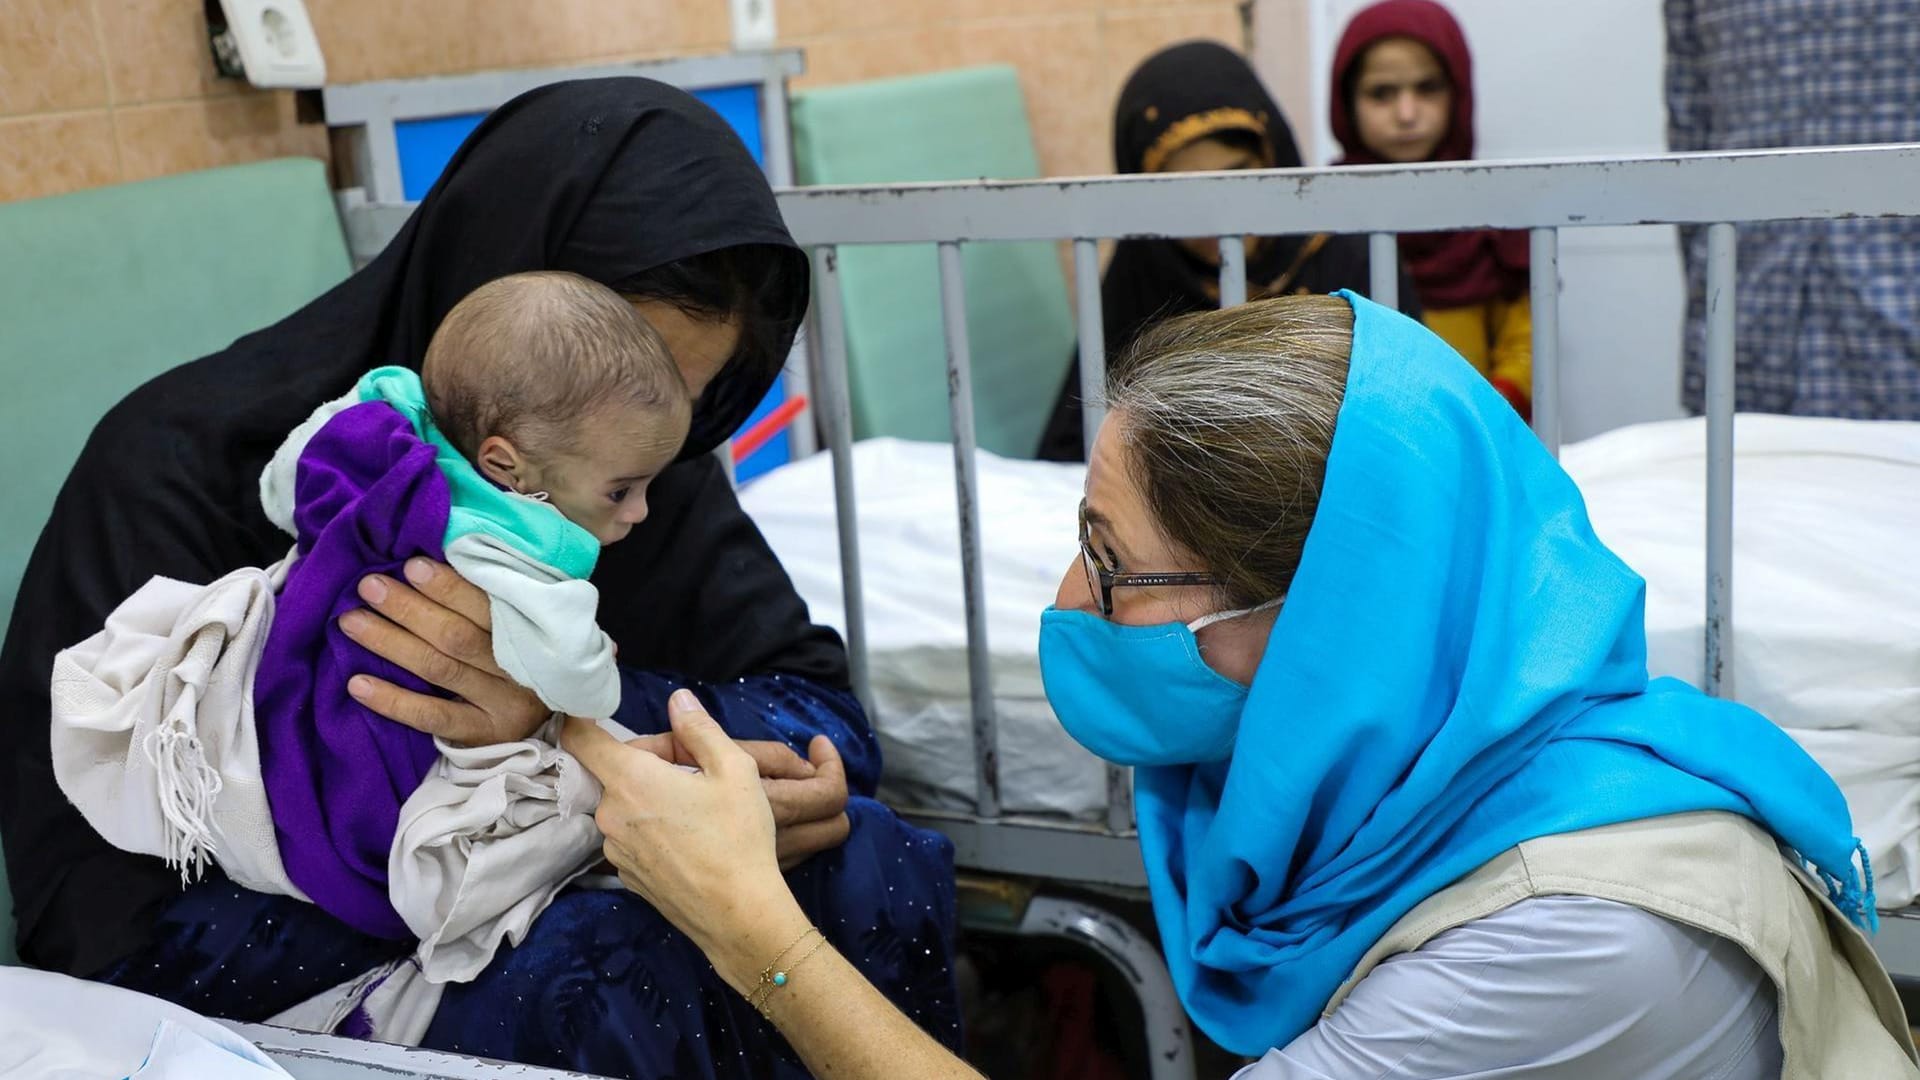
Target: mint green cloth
948, 125
535, 529
102, 290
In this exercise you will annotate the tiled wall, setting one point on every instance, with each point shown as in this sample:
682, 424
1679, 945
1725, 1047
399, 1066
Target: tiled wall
99, 91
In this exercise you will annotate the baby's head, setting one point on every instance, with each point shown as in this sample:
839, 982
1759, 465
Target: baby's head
551, 383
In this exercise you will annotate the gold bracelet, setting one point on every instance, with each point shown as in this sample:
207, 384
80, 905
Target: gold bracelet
767, 972
775, 977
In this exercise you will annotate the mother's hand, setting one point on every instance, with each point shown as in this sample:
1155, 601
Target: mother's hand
439, 626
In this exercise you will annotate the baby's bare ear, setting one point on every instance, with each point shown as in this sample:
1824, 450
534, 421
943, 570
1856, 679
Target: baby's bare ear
500, 461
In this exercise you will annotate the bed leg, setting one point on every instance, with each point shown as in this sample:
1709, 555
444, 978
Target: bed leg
1010, 906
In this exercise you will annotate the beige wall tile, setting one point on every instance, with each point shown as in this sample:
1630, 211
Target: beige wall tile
1162, 5
54, 155
392, 39
156, 140
49, 57
967, 10
805, 20
707, 26
880, 55
1132, 36
514, 33
799, 20
1060, 73
157, 50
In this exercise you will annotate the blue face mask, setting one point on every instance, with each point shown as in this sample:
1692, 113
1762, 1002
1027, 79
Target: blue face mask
1139, 695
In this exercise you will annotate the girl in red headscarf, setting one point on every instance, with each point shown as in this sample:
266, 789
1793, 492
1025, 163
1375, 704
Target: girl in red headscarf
1403, 92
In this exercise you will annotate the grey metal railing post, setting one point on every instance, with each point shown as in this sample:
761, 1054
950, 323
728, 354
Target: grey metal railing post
1545, 251
1093, 409
1233, 271
986, 743
835, 406
1721, 273
1093, 340
1383, 269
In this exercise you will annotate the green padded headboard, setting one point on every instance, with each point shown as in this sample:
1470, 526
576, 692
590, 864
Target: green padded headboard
954, 125
102, 290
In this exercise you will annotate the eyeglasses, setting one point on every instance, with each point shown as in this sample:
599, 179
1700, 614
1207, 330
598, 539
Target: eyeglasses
1103, 579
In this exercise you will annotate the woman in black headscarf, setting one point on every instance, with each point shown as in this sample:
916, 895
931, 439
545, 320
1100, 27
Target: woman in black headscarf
1199, 107
636, 185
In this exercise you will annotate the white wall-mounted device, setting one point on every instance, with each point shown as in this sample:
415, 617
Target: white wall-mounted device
753, 25
270, 43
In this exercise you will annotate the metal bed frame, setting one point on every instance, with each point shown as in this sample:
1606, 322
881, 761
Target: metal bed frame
1544, 197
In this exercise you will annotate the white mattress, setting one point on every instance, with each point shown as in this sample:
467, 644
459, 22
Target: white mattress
1826, 601
916, 622
1826, 592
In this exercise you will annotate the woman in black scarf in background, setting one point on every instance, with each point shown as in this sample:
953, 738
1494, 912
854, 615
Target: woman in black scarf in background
640, 187
1199, 107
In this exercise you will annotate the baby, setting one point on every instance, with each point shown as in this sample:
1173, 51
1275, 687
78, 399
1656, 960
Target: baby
548, 405
213, 721
543, 409
553, 387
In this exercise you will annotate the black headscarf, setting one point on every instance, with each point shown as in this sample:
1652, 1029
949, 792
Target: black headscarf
605, 178
1179, 95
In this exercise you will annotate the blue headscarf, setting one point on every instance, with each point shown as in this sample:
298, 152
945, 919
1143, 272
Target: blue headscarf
1460, 665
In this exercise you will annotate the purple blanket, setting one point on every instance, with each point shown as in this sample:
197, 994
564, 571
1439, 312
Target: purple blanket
368, 497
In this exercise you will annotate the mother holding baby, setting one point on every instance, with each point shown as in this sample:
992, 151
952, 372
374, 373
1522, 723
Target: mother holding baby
641, 188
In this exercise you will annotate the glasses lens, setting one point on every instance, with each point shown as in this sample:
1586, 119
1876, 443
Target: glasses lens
1093, 579
1091, 565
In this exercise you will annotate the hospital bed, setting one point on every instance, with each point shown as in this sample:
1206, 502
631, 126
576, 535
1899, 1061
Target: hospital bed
1000, 833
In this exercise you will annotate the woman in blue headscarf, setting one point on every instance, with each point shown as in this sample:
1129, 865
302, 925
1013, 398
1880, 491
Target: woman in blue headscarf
1408, 802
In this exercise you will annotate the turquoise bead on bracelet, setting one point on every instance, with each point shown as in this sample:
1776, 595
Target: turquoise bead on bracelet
774, 977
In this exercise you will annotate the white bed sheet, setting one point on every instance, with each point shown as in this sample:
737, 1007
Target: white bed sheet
916, 622
1826, 591
1826, 601
53, 1027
